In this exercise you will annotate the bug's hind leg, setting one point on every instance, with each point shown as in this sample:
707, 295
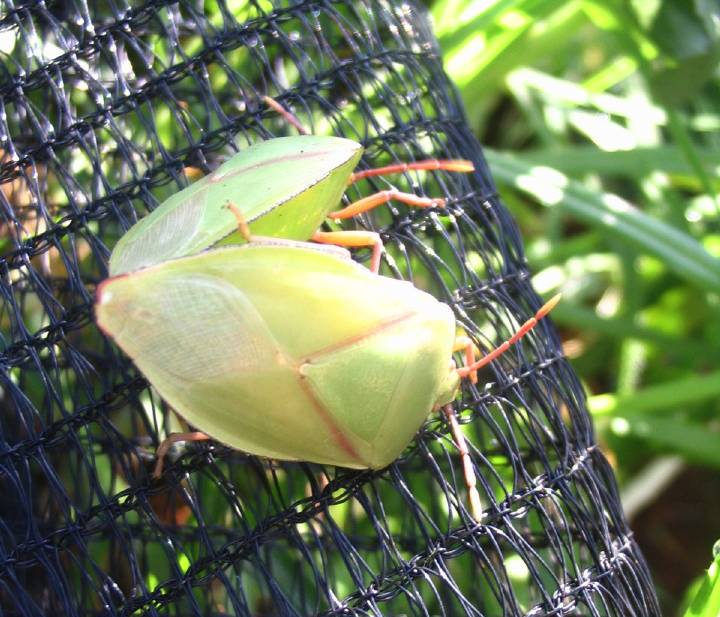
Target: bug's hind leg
382, 197
468, 470
410, 199
456, 165
168, 443
366, 238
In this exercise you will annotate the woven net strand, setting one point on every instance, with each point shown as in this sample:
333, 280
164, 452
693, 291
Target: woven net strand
110, 107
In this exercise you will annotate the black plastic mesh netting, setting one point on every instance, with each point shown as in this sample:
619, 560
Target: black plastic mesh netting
108, 108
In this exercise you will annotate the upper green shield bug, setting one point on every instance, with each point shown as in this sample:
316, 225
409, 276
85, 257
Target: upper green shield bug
286, 187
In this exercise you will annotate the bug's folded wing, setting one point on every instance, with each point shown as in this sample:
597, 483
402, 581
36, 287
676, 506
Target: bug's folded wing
209, 354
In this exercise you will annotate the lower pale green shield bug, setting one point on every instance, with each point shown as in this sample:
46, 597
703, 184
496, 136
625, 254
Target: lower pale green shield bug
291, 351
353, 361
286, 187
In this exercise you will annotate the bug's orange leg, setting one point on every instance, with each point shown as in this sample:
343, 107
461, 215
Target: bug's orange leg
242, 223
167, 444
382, 197
468, 369
456, 165
289, 117
468, 471
354, 239
464, 343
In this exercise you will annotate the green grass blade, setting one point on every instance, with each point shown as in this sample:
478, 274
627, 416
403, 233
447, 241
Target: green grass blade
706, 602
678, 251
668, 396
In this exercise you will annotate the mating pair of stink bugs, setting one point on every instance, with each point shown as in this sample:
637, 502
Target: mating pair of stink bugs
276, 346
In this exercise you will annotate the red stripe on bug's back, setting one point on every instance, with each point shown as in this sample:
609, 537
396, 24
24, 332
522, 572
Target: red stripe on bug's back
336, 432
384, 325
338, 435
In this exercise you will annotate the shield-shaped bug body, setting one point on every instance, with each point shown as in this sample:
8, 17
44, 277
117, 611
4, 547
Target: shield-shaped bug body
287, 352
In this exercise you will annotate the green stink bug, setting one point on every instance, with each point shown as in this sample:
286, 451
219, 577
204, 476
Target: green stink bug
223, 334
286, 187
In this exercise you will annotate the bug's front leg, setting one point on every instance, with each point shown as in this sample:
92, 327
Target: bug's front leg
468, 470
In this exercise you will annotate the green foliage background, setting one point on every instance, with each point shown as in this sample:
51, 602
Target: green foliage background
600, 123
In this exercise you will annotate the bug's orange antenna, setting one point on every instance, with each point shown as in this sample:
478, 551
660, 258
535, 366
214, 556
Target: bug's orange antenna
290, 118
465, 344
456, 165
464, 371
